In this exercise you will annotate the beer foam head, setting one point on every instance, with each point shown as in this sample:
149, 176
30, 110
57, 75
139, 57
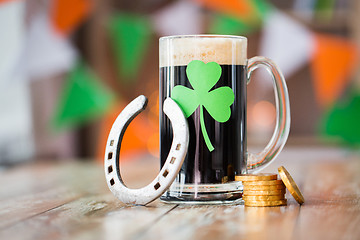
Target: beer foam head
181, 50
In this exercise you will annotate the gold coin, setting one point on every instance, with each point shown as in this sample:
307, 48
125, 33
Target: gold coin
264, 198
291, 185
263, 188
265, 203
225, 179
256, 177
263, 183
264, 192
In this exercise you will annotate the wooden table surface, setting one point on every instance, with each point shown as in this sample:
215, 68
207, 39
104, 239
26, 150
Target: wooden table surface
70, 200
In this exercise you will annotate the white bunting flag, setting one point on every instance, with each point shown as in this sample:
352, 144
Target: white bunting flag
46, 52
12, 32
287, 42
16, 136
181, 17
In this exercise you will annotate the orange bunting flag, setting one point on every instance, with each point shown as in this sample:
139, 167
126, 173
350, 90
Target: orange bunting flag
237, 8
4, 1
333, 62
67, 15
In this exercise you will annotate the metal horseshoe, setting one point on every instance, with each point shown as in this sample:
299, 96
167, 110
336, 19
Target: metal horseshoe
173, 163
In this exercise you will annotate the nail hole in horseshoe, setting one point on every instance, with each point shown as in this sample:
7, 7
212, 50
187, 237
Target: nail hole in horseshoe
178, 146
156, 186
110, 155
166, 172
110, 169
172, 160
112, 182
112, 143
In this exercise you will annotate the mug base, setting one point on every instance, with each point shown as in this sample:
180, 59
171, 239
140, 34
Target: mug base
230, 193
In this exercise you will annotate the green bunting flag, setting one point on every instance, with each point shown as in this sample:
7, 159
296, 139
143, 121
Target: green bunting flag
229, 25
343, 120
262, 7
325, 9
83, 99
130, 35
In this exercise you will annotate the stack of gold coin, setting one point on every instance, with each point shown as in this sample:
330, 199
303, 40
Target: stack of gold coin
266, 190
262, 190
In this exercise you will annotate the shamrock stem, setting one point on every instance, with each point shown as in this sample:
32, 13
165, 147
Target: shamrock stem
203, 130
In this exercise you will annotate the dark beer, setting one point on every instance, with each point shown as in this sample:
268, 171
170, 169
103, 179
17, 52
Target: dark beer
229, 138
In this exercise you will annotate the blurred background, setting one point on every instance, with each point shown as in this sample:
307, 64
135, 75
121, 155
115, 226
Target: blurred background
68, 67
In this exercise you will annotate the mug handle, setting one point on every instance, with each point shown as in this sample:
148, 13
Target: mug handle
258, 161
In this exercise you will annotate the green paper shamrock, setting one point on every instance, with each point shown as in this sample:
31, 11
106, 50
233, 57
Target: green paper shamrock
217, 102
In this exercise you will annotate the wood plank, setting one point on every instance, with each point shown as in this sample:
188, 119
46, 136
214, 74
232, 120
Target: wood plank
333, 182
42, 187
329, 221
41, 176
332, 209
91, 217
74, 195
24, 179
37, 177
126, 223
226, 222
22, 208
78, 205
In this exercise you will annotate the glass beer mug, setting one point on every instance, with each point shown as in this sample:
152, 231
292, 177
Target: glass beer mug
206, 76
